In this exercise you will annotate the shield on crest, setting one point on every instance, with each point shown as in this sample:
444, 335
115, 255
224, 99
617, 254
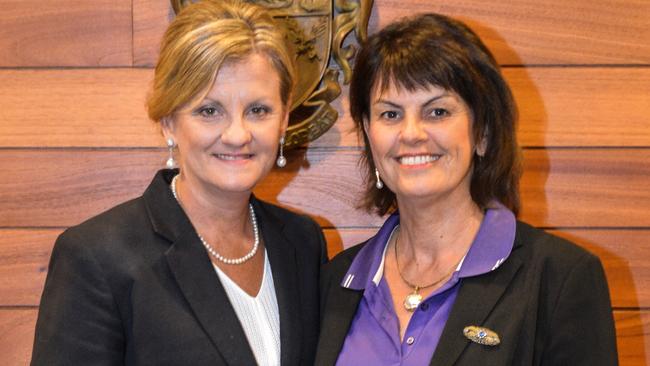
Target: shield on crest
315, 31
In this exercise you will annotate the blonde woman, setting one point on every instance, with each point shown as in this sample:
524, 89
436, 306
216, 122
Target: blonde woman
196, 271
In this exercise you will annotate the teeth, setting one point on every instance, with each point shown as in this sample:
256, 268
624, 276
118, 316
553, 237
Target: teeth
232, 157
418, 159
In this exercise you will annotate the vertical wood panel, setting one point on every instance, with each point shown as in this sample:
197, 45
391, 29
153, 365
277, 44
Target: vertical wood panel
65, 33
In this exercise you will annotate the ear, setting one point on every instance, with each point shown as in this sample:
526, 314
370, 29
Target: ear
366, 125
481, 146
284, 124
168, 127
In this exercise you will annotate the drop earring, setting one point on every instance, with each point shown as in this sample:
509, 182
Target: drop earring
281, 161
378, 184
171, 163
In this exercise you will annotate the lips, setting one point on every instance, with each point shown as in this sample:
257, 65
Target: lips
417, 159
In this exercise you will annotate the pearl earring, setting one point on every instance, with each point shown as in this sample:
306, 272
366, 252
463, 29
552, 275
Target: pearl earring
282, 161
171, 163
378, 184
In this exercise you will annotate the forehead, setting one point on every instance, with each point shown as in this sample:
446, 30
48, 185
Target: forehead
395, 90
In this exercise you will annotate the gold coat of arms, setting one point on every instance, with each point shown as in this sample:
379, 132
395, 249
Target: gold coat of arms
316, 31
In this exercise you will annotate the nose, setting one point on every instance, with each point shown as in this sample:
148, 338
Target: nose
236, 133
412, 130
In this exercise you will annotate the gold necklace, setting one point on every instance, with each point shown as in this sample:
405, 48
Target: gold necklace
413, 300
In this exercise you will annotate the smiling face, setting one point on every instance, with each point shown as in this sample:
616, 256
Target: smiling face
228, 141
422, 142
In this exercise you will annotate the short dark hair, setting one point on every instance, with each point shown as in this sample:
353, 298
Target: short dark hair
435, 50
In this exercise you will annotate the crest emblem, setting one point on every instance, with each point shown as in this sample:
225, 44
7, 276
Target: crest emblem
315, 31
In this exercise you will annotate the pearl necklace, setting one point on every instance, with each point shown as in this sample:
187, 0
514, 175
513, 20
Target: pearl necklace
211, 250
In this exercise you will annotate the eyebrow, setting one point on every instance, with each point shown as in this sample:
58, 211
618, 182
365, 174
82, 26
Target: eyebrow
395, 105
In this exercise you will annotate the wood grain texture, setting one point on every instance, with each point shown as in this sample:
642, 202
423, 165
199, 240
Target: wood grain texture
150, 19
24, 258
543, 32
65, 33
560, 188
633, 337
17, 336
84, 107
106, 108
17, 333
518, 32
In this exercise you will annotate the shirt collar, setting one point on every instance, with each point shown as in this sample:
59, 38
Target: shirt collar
490, 248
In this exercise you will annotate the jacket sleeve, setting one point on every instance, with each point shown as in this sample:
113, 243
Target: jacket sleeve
582, 330
78, 321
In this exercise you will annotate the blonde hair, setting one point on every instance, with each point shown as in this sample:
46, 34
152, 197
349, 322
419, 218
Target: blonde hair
204, 36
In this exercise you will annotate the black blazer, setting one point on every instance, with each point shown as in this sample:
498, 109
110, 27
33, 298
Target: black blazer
134, 286
548, 302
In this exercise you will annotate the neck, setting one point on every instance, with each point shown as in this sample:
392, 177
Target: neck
213, 213
437, 232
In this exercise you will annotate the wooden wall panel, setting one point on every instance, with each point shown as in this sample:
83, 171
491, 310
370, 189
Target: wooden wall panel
78, 107
150, 18
560, 188
17, 332
544, 32
105, 108
16, 336
633, 337
65, 33
517, 32
24, 257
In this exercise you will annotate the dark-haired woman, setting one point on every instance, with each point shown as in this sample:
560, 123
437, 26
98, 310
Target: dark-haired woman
452, 278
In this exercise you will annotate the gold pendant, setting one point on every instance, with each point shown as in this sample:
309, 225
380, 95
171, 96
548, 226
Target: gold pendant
411, 301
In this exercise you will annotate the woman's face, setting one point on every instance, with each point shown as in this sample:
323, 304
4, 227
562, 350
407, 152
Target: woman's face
229, 140
422, 142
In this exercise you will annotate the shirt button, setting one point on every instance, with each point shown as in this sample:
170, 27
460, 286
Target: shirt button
410, 340
424, 306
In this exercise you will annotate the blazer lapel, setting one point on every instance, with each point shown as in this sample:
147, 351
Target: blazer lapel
195, 274
476, 298
282, 256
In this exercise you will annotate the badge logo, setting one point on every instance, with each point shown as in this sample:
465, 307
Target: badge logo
315, 31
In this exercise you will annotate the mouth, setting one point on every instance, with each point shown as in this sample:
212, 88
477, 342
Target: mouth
413, 160
233, 157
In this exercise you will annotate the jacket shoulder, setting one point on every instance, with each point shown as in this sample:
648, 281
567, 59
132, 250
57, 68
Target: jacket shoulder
541, 245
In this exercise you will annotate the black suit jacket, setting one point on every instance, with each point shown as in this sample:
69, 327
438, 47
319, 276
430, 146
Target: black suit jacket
549, 303
134, 286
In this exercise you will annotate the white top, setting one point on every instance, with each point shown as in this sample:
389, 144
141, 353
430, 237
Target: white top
259, 315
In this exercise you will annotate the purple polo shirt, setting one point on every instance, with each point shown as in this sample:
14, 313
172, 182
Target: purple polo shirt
373, 337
